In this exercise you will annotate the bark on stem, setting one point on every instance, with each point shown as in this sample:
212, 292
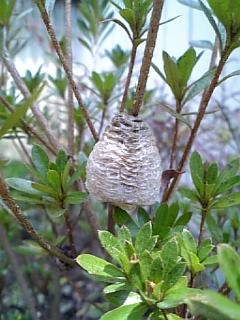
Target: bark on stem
148, 54
70, 106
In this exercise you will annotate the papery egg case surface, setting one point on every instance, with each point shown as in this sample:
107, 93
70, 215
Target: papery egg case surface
124, 167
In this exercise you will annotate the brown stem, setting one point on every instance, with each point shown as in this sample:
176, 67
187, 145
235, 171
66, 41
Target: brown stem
16, 269
207, 96
23, 221
201, 230
70, 105
111, 222
147, 56
59, 52
25, 92
129, 76
70, 235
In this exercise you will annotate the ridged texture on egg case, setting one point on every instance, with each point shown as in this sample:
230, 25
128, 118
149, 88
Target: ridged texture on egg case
124, 167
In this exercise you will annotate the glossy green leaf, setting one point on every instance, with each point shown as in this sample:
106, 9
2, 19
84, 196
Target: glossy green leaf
23, 185
175, 114
109, 242
64, 176
189, 194
145, 265
156, 271
227, 231
233, 199
172, 213
229, 261
135, 276
195, 264
76, 197
40, 159
132, 311
123, 297
159, 225
124, 235
214, 306
172, 75
143, 235
197, 171
174, 274
105, 271
185, 65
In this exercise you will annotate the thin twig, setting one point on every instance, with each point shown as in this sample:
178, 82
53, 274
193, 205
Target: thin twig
16, 269
201, 229
111, 222
129, 77
59, 52
25, 92
23, 221
148, 54
70, 105
206, 98
70, 235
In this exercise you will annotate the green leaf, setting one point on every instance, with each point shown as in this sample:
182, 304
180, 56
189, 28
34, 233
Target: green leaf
64, 176
20, 111
76, 197
195, 265
222, 9
135, 276
159, 72
54, 180
213, 228
175, 114
197, 171
160, 227
185, 65
230, 170
212, 22
227, 185
105, 271
183, 219
77, 173
189, 194
6, 8
129, 16
61, 160
156, 271
204, 249
213, 306
169, 255
143, 235
121, 217
110, 243
189, 241
132, 311
122, 25
197, 86
40, 159
229, 262
191, 3
172, 75
232, 74
210, 260
123, 297
211, 173
203, 44
233, 199
23, 185
45, 189
143, 216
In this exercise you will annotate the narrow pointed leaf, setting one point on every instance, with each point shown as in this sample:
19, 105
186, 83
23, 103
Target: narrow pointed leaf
175, 114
